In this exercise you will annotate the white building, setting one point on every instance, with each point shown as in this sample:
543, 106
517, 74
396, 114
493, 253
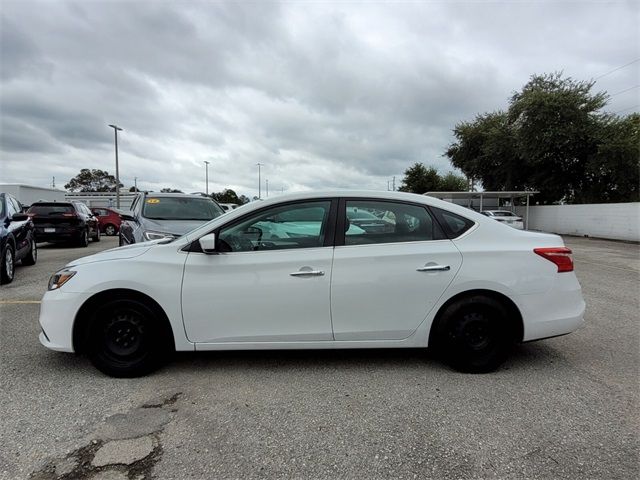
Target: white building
28, 194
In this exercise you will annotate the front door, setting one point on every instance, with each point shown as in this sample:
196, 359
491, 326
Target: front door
392, 267
269, 280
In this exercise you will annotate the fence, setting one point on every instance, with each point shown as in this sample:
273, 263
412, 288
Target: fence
616, 221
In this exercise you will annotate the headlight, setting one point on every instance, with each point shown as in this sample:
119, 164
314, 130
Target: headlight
150, 235
58, 279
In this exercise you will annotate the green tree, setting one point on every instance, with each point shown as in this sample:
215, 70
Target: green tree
170, 190
226, 196
92, 181
553, 138
453, 183
421, 179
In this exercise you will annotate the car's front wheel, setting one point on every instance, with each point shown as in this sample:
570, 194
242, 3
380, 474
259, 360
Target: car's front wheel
126, 339
8, 265
474, 335
83, 241
110, 230
96, 237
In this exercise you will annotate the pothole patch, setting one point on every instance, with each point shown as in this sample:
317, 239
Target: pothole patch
124, 451
127, 447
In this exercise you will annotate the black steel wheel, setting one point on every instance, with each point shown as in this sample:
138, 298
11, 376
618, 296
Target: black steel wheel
127, 339
7, 267
474, 335
32, 256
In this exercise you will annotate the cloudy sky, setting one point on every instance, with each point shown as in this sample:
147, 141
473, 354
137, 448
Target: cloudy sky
324, 94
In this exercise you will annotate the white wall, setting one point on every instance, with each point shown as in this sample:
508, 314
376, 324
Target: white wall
618, 221
27, 194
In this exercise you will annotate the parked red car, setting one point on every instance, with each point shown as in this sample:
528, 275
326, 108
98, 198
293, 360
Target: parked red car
109, 220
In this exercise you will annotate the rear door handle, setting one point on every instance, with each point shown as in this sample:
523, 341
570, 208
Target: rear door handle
307, 273
434, 268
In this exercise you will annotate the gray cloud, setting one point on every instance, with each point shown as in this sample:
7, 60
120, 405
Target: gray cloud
326, 95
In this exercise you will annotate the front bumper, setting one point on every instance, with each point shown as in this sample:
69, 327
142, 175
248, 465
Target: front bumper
58, 311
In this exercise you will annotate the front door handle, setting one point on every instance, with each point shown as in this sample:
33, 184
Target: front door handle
307, 273
434, 268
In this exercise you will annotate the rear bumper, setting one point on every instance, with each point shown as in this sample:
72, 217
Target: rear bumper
556, 312
59, 237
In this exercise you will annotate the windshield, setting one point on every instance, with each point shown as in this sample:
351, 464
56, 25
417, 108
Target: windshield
51, 209
180, 208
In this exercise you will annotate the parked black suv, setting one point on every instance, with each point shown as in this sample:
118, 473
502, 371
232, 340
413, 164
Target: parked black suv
17, 237
59, 222
156, 216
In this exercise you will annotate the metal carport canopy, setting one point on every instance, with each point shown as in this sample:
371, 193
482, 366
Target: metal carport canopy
482, 195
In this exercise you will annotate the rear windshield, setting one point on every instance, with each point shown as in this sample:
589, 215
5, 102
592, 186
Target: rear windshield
503, 214
180, 208
51, 209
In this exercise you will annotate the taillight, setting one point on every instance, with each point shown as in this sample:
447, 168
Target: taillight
561, 256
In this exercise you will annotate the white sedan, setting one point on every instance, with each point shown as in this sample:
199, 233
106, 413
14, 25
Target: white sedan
505, 216
443, 277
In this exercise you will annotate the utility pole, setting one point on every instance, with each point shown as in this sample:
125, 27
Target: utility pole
206, 174
267, 181
259, 181
394, 183
53, 183
115, 130
135, 183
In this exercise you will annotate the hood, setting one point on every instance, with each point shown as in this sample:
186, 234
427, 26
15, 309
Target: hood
120, 253
175, 227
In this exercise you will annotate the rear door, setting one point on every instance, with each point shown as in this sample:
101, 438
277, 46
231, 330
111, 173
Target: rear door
389, 273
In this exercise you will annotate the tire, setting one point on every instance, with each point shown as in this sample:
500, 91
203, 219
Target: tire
83, 241
96, 238
32, 256
110, 230
7, 265
126, 339
474, 335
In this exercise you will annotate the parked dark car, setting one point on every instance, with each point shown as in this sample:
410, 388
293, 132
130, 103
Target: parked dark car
17, 237
108, 219
64, 222
155, 216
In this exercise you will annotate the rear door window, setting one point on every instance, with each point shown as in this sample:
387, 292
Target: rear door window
454, 225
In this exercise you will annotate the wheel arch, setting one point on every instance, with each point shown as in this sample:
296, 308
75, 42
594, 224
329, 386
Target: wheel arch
83, 317
513, 311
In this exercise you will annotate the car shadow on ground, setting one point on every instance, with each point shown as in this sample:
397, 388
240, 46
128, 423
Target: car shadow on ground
525, 357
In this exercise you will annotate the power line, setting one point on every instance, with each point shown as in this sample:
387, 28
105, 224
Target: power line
625, 90
617, 68
625, 109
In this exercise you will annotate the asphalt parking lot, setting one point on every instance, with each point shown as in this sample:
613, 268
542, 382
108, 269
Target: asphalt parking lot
561, 408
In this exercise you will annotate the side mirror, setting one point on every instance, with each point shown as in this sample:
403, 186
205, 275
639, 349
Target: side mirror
208, 243
126, 216
19, 217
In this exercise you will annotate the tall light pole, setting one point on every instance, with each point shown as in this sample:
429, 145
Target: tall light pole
115, 130
259, 181
206, 169
267, 182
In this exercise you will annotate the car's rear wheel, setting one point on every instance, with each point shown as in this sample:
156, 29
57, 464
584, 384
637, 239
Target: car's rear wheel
474, 335
8, 265
110, 230
32, 256
126, 339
